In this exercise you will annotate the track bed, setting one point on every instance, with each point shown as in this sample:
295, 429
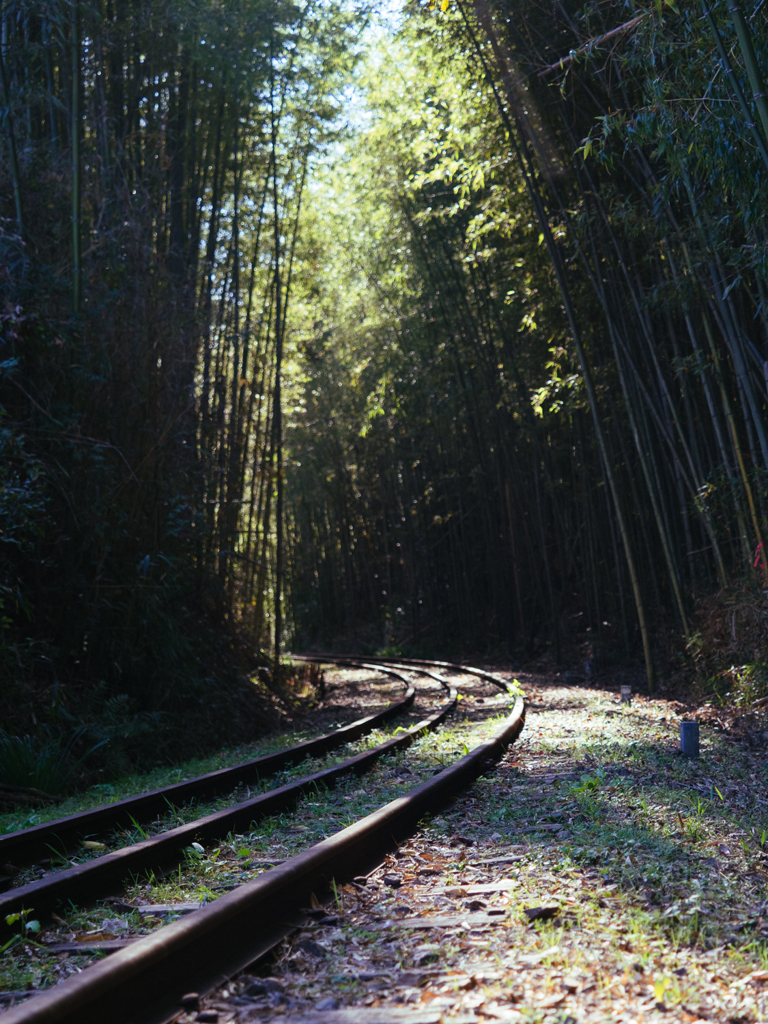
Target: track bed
209, 872
593, 876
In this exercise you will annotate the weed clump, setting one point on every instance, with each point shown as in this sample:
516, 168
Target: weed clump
729, 649
48, 767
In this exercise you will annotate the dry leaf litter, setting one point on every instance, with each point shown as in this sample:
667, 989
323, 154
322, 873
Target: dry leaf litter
595, 875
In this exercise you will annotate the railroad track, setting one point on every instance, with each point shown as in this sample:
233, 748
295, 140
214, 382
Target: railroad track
27, 846
146, 979
102, 876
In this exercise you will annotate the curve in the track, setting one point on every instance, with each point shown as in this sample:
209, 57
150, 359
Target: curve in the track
332, 659
146, 980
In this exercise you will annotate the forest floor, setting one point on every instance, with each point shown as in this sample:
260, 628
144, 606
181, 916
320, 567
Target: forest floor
628, 884
594, 875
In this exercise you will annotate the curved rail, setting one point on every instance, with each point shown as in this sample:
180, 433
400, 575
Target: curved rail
146, 980
103, 875
336, 659
27, 846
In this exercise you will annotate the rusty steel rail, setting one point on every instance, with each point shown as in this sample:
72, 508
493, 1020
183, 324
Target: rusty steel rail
380, 663
103, 876
145, 981
467, 669
337, 659
27, 846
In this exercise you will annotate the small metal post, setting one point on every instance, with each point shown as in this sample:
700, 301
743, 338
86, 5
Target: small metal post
689, 739
626, 695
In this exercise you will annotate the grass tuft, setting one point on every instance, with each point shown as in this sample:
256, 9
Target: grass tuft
48, 767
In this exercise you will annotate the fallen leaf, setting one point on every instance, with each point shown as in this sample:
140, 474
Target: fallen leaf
553, 1000
541, 913
312, 948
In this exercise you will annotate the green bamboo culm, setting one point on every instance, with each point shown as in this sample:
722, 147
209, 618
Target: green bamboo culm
733, 81
15, 181
277, 413
750, 62
76, 262
526, 167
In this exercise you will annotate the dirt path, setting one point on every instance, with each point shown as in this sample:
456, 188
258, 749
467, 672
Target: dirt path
594, 876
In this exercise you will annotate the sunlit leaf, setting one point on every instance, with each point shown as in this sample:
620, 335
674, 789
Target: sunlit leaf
660, 986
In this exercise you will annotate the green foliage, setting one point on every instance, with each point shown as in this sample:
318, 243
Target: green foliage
49, 766
136, 438
728, 652
417, 269
591, 782
412, 406
23, 520
390, 652
443, 471
28, 928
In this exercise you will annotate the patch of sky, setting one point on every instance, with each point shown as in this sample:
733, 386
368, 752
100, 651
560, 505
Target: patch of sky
385, 20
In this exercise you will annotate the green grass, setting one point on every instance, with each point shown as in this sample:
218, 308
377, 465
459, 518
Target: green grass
48, 766
142, 782
316, 815
206, 875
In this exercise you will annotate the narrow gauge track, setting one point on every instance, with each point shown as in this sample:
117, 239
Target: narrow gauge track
104, 875
406, 663
27, 846
145, 981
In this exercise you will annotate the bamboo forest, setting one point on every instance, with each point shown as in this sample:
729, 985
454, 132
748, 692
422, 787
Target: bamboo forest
438, 329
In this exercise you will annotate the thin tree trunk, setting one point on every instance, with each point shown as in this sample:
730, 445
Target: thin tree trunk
15, 179
76, 184
277, 417
484, 17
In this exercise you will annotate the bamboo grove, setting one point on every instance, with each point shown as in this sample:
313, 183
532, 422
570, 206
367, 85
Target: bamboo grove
572, 443
448, 333
153, 165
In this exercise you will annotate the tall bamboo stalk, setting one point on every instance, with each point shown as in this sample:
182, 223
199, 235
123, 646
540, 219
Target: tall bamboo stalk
750, 62
734, 83
484, 17
76, 182
277, 409
14, 161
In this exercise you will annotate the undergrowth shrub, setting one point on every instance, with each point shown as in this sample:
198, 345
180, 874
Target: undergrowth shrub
49, 766
729, 648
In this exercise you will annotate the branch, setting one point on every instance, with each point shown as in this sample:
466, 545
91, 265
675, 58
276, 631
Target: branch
587, 47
